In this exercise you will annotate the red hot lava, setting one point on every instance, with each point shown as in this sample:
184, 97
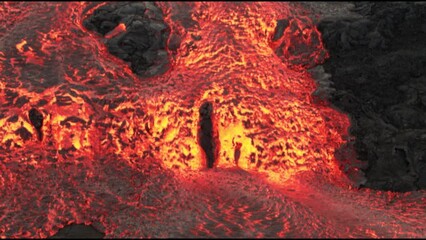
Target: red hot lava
85, 140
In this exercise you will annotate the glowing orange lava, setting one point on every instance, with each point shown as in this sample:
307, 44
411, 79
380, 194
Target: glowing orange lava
107, 131
261, 106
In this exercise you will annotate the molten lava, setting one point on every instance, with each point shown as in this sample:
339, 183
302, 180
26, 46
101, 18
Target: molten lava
85, 140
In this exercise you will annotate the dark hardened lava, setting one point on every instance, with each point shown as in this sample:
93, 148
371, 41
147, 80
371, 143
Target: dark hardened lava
378, 63
143, 44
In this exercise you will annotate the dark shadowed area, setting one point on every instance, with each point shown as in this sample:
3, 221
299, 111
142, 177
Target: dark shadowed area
78, 231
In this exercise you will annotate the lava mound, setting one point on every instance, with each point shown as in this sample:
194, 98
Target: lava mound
377, 62
134, 32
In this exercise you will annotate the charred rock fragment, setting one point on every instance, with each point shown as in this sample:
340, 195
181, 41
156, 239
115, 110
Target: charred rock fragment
377, 65
143, 40
206, 133
36, 119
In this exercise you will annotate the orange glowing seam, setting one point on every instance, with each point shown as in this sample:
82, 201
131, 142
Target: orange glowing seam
20, 46
117, 30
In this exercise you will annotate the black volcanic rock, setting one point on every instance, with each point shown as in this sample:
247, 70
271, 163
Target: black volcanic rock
377, 65
143, 44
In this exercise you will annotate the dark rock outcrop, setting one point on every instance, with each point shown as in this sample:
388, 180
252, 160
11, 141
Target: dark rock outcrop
377, 63
143, 41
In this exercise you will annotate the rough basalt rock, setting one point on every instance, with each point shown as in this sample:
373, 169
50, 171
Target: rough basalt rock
377, 64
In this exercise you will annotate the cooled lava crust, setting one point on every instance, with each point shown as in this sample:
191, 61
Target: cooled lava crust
377, 64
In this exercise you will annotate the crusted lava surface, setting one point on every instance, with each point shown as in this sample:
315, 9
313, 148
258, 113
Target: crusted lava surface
111, 116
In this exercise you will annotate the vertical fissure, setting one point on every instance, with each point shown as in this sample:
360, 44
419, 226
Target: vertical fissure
36, 119
206, 134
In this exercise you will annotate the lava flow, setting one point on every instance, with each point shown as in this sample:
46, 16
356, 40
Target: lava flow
227, 142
